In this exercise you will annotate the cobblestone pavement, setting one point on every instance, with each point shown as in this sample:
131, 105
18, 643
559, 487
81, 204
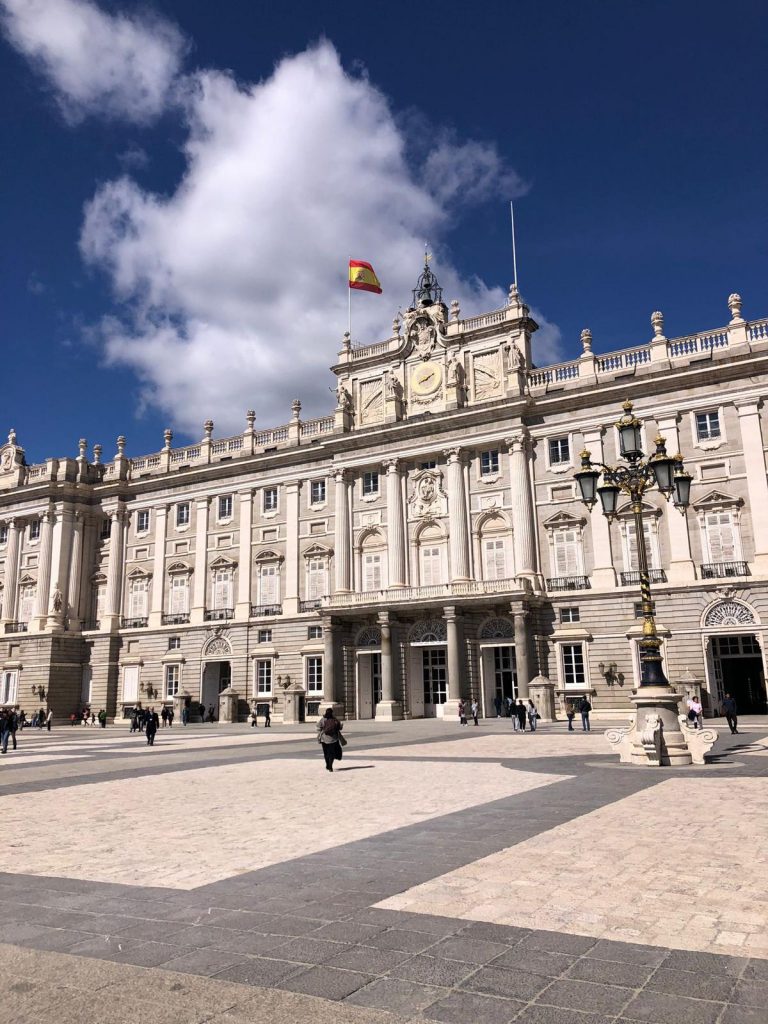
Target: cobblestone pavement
464, 875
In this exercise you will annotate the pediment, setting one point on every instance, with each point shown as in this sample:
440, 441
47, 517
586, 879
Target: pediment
718, 499
27, 580
566, 519
178, 569
648, 510
222, 562
268, 555
139, 574
98, 578
318, 551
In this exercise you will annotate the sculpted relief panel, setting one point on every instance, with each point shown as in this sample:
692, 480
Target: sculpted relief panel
427, 499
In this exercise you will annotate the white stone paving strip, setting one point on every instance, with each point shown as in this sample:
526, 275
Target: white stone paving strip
189, 828
682, 864
498, 747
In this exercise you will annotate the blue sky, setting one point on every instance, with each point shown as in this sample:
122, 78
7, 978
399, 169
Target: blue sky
174, 238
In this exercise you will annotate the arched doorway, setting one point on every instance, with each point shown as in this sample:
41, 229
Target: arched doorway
498, 665
735, 662
428, 641
368, 671
216, 670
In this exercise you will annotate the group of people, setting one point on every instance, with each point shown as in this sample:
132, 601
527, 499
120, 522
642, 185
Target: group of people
583, 706
14, 719
88, 717
147, 720
519, 711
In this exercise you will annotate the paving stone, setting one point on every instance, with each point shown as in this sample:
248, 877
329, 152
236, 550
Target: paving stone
204, 961
396, 996
497, 981
149, 954
756, 970
537, 1013
504, 933
585, 995
558, 942
326, 982
310, 950
627, 952
407, 941
57, 939
742, 1015
537, 961
259, 971
462, 1007
660, 1008
367, 959
611, 973
348, 931
473, 951
430, 970
699, 986
705, 963
752, 993
103, 947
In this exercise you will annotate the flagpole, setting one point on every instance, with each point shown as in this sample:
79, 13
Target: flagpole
349, 303
514, 249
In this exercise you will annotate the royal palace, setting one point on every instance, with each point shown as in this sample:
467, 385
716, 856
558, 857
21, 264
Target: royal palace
422, 542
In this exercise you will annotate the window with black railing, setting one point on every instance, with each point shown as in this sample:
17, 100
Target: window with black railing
218, 614
722, 570
177, 619
261, 610
134, 623
310, 606
16, 627
633, 578
568, 583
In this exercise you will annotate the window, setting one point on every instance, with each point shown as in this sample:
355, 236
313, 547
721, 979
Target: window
27, 596
222, 589
430, 567
372, 571
559, 451
225, 507
315, 633
130, 684
99, 600
264, 677
567, 552
314, 672
317, 578
265, 636
34, 529
142, 521
270, 499
707, 426
495, 555
3, 534
9, 684
371, 483
174, 643
269, 584
573, 665
569, 614
178, 603
630, 556
489, 462
182, 514
429, 464
722, 537
137, 598
317, 492
106, 528
172, 677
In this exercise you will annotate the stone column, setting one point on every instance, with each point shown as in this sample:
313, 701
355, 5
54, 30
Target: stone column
457, 516
757, 485
243, 606
522, 659
332, 689
43, 572
451, 706
603, 571
111, 618
526, 556
291, 595
388, 709
158, 567
681, 566
200, 578
343, 540
75, 572
63, 530
85, 610
10, 599
395, 525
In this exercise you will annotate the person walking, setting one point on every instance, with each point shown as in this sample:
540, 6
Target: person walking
570, 713
584, 708
730, 710
152, 723
5, 730
329, 737
23, 719
103, 718
164, 716
497, 705
170, 717
134, 720
211, 714
509, 704
267, 717
533, 715
185, 710
13, 723
462, 713
49, 719
520, 712
474, 708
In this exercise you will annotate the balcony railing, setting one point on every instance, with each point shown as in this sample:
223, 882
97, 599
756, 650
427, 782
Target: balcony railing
136, 623
721, 570
568, 583
436, 591
218, 614
16, 627
261, 611
179, 619
310, 606
655, 576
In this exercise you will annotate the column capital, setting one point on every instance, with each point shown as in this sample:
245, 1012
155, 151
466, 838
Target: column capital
391, 465
449, 613
203, 502
519, 442
341, 474
383, 618
293, 487
751, 407
454, 455
246, 494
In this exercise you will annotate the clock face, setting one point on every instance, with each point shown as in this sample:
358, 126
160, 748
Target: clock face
426, 378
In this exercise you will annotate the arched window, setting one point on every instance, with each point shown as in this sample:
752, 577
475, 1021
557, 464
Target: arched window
496, 548
373, 562
432, 555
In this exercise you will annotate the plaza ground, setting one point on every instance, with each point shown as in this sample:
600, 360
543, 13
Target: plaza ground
440, 874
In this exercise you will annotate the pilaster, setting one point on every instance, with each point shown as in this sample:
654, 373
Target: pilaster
681, 565
43, 572
395, 525
111, 619
200, 578
11, 596
457, 516
243, 606
291, 595
158, 567
757, 484
63, 529
343, 538
523, 525
75, 572
603, 570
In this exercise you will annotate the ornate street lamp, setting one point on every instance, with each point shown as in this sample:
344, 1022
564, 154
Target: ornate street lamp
634, 479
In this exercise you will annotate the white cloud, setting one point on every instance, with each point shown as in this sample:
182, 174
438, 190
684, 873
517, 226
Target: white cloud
117, 66
469, 172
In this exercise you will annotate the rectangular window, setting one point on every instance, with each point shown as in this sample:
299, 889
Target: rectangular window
27, 603
34, 529
317, 579
270, 499
559, 451
9, 684
431, 570
372, 572
269, 585
489, 462
172, 677
174, 643
317, 492
142, 521
264, 677
225, 507
566, 544
722, 541
3, 534
707, 426
495, 553
106, 528
100, 600
314, 671
265, 636
179, 595
137, 599
130, 684
633, 565
222, 589
569, 614
573, 665
182, 514
315, 633
371, 483
429, 464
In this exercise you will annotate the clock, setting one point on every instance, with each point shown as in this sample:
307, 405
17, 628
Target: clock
426, 378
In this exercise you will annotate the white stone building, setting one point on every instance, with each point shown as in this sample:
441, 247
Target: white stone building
423, 541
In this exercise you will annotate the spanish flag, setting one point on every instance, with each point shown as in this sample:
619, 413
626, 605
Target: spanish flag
363, 277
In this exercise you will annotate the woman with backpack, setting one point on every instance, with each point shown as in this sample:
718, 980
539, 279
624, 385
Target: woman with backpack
329, 737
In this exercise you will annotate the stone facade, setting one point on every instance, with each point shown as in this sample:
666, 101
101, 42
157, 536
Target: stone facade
421, 543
